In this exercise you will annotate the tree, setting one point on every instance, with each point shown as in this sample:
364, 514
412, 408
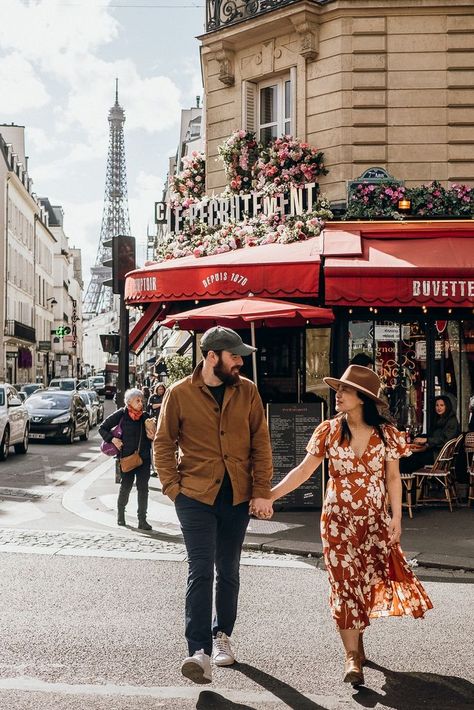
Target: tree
177, 367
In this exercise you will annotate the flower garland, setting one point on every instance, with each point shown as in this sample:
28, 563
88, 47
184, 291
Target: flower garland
189, 184
240, 153
286, 162
369, 201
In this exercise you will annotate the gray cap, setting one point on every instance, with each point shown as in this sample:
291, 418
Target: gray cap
220, 338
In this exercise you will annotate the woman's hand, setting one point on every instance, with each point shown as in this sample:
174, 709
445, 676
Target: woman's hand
394, 531
420, 440
118, 443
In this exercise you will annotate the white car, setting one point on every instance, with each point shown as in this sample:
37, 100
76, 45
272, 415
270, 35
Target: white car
14, 422
91, 408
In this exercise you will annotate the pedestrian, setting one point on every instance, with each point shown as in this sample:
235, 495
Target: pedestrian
138, 429
215, 419
156, 399
153, 408
427, 446
368, 573
146, 396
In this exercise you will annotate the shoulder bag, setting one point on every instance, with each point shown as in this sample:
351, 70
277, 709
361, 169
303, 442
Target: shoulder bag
133, 461
107, 447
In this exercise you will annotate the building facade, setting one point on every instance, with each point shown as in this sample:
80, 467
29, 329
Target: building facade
368, 83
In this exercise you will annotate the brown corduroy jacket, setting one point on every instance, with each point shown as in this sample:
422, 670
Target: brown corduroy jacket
211, 441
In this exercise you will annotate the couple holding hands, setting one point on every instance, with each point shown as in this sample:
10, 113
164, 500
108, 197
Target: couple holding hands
223, 474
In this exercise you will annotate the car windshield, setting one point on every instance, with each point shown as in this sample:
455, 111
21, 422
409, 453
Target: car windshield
30, 388
84, 396
2, 397
48, 400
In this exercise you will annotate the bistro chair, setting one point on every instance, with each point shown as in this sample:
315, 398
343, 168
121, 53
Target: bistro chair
469, 449
407, 483
442, 471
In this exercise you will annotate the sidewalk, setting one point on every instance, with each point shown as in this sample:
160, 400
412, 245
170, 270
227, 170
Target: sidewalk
434, 537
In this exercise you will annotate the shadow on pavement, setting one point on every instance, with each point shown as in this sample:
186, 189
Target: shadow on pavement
414, 691
208, 700
292, 697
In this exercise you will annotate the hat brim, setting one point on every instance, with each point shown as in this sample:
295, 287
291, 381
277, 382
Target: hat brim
243, 350
333, 383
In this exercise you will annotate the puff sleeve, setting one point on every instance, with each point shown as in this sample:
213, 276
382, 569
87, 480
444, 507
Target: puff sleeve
318, 443
395, 443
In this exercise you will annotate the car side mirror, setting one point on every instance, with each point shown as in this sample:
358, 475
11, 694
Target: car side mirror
14, 402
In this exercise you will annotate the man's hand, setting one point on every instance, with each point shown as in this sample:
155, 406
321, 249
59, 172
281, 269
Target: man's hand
261, 507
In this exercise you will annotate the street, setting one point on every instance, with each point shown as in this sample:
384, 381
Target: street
93, 615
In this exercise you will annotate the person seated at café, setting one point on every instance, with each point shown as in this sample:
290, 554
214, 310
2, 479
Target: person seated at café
426, 448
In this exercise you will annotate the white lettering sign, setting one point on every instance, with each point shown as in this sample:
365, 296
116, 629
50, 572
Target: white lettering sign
448, 288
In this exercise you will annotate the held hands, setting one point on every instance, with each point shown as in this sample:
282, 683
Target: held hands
261, 508
118, 443
394, 531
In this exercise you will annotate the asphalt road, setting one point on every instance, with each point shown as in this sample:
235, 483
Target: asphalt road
100, 633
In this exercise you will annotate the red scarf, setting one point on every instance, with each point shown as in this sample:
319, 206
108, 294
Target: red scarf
134, 413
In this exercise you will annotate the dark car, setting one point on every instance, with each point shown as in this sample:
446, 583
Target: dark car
57, 414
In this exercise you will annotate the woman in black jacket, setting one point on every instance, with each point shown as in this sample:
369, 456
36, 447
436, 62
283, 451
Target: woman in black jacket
445, 427
136, 436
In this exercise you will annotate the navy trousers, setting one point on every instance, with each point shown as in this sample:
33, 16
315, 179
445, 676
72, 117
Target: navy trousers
213, 535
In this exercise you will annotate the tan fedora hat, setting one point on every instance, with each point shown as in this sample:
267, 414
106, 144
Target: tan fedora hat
363, 379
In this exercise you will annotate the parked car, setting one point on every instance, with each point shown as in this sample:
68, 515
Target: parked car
98, 403
14, 422
31, 387
64, 383
57, 414
85, 395
97, 383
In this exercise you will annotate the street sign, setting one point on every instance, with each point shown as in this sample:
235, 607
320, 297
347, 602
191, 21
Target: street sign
44, 346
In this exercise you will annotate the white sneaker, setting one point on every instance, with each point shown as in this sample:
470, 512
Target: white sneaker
222, 653
197, 667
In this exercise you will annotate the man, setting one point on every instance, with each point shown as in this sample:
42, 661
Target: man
223, 472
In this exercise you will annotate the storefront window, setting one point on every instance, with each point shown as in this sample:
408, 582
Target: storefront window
317, 364
398, 351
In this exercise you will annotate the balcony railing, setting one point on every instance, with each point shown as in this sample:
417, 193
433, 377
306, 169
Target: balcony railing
21, 331
221, 13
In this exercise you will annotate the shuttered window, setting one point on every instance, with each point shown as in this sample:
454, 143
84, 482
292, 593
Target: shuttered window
269, 108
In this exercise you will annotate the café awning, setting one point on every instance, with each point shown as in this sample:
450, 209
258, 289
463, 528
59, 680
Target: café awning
269, 270
422, 270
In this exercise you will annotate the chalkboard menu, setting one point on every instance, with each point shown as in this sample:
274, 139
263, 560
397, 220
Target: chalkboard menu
291, 427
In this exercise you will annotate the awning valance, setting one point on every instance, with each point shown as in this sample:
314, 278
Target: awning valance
436, 271
270, 270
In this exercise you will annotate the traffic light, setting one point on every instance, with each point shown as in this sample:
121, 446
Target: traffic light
123, 261
110, 343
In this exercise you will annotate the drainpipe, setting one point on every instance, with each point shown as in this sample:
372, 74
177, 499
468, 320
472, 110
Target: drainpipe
5, 315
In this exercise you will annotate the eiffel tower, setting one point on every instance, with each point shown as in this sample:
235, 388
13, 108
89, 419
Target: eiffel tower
115, 218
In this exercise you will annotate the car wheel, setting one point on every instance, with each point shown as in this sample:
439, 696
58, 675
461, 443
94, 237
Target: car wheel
5, 445
85, 436
22, 447
72, 435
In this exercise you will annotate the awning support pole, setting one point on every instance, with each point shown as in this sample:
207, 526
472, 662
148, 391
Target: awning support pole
254, 354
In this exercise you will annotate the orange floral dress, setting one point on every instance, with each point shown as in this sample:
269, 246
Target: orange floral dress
368, 578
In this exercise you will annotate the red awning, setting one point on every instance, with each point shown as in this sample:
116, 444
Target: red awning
404, 272
270, 270
142, 326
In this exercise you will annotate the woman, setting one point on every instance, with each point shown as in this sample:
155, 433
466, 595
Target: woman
368, 574
154, 403
138, 428
445, 427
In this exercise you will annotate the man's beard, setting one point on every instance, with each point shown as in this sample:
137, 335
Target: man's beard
226, 377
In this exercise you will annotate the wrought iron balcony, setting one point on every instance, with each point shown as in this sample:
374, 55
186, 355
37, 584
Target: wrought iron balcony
221, 13
14, 329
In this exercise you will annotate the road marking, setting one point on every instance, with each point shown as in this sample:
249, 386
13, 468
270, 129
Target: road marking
36, 685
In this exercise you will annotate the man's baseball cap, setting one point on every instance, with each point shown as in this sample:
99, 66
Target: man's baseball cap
220, 338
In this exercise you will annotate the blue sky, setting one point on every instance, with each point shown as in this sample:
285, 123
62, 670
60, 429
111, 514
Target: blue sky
58, 63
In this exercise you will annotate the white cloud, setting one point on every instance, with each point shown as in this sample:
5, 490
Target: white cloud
20, 86
146, 190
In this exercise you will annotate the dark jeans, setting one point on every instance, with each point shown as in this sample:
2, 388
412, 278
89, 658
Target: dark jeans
416, 461
213, 535
141, 475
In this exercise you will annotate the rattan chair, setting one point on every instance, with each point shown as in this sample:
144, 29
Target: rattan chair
407, 483
441, 471
469, 449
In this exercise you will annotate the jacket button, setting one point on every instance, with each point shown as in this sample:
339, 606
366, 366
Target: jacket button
222, 433
216, 409
218, 480
225, 456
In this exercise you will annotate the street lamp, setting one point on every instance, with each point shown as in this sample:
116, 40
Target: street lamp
52, 301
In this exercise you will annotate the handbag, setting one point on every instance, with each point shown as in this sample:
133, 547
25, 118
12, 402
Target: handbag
107, 447
129, 463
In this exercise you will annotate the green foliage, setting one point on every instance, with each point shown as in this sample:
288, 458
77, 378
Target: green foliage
177, 367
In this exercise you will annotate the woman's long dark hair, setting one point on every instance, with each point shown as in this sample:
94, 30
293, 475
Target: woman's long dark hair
448, 404
370, 415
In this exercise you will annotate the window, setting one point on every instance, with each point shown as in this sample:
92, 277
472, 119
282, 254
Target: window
269, 107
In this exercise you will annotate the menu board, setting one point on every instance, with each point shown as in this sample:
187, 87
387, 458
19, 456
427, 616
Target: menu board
291, 427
